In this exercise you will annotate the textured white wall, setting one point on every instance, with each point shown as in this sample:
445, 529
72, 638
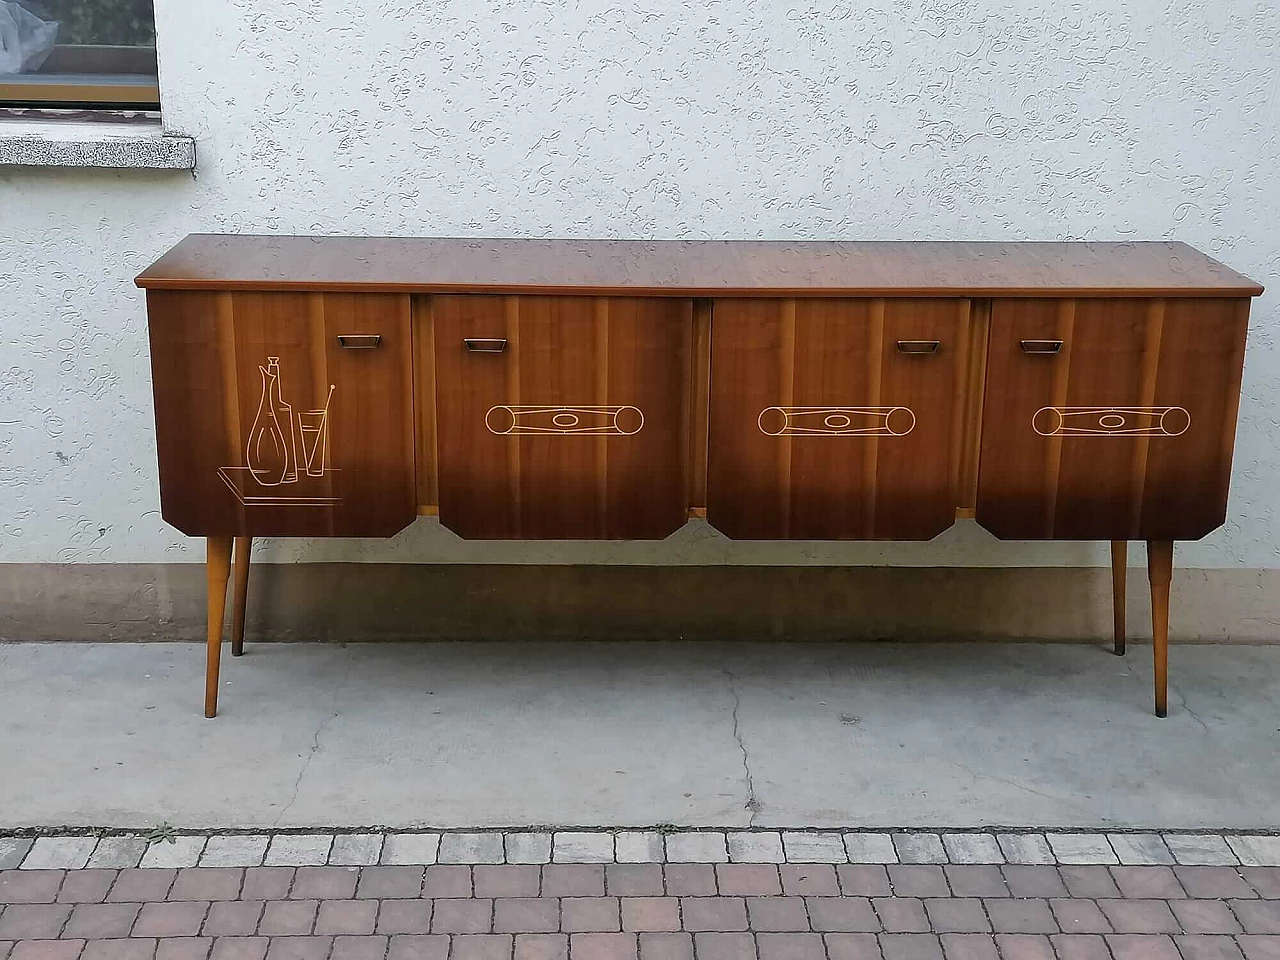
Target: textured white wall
876, 119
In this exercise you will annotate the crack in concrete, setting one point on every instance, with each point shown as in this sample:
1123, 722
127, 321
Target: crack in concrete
752, 805
297, 784
1182, 697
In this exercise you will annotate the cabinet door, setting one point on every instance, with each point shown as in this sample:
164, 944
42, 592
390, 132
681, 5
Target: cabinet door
562, 417
283, 414
834, 419
1125, 432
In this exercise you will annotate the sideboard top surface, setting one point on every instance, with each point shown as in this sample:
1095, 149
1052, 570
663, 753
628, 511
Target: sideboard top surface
693, 268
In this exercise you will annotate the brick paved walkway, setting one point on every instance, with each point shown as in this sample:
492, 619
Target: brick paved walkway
644, 911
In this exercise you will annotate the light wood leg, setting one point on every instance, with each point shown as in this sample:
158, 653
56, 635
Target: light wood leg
218, 571
1119, 563
243, 545
1160, 573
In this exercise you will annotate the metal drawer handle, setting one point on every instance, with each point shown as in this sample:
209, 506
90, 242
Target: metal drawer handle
1041, 346
919, 346
484, 345
359, 341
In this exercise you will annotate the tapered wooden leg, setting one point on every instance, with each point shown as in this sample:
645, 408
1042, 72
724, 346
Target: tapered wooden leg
243, 544
1160, 573
218, 571
1119, 563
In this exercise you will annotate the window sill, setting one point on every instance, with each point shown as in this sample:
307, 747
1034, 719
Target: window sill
64, 143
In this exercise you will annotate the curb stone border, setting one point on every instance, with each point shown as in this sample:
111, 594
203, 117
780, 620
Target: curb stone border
78, 848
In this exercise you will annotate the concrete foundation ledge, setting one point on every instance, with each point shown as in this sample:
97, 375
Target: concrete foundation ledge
378, 601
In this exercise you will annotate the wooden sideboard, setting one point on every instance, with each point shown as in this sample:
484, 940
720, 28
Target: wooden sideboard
341, 387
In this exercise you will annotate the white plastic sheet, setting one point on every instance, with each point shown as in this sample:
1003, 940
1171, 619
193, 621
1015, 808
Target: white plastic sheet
25, 39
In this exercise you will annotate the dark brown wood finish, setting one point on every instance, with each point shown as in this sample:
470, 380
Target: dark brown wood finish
208, 351
576, 429
1125, 433
706, 268
823, 428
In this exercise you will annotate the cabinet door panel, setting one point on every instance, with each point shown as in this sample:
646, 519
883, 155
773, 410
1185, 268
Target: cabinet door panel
1125, 433
268, 426
821, 427
576, 429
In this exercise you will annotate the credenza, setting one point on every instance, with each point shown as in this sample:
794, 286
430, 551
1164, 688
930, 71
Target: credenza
570, 389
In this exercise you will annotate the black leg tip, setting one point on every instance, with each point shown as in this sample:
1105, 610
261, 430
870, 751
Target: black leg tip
1118, 650
1162, 712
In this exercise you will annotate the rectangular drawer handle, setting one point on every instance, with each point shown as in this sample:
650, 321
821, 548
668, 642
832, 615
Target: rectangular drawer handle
1041, 346
359, 341
485, 344
919, 346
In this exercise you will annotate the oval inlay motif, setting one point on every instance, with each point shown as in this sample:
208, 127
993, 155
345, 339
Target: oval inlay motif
1112, 421
565, 419
837, 421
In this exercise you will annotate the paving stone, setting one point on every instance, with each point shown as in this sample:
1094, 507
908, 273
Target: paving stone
1256, 916
207, 883
972, 848
1091, 883
526, 915
1025, 848
182, 852
1140, 849
918, 880
528, 847
1204, 849
299, 948
1255, 948
12, 850
708, 847
174, 919
471, 848
595, 847
183, 948
407, 916
1140, 947
1252, 851
448, 880
133, 949
482, 946
59, 853
353, 918
461, 916
638, 846
356, 850
650, 914
266, 883
1265, 880
575, 880
957, 915
357, 948
233, 918
30, 886
816, 879
976, 880
842, 914
790, 946
417, 947
1070, 946
919, 848
1139, 916
721, 914
863, 880
608, 946
853, 946
1079, 916
824, 847
324, 883
1150, 882
239, 948
755, 846
553, 946
410, 849
589, 915
748, 880
1081, 848
1024, 946
1214, 882
634, 880
33, 921
721, 946
911, 946
1205, 916
1208, 948
299, 850
386, 883
235, 851
288, 918
972, 946
140, 885
98, 921
777, 913
657, 946
114, 853
47, 950
1028, 880
86, 886
1021, 916
901, 914
870, 848
510, 880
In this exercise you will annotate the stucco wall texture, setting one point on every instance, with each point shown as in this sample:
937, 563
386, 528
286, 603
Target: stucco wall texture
881, 119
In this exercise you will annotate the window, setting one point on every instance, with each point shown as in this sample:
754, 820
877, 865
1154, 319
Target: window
78, 53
